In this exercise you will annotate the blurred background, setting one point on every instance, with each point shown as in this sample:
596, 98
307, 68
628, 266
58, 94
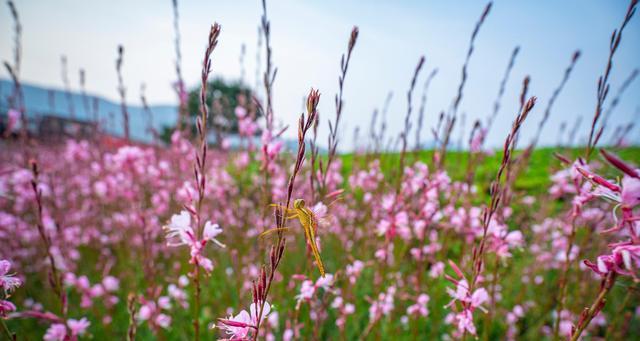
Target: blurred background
61, 38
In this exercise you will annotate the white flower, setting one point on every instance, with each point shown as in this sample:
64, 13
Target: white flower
254, 309
238, 333
110, 283
307, 289
145, 312
56, 332
325, 282
78, 327
211, 231
164, 302
349, 308
8, 282
179, 231
163, 320
183, 281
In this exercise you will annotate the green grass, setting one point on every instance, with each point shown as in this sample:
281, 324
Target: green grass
535, 179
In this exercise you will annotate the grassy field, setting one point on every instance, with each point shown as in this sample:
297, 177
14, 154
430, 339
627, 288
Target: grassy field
536, 178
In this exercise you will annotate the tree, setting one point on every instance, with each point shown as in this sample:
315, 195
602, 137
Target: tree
222, 99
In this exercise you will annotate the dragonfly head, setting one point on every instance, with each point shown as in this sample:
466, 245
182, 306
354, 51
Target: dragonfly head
298, 203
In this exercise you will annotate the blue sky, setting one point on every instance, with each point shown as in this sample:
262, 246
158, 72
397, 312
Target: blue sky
309, 37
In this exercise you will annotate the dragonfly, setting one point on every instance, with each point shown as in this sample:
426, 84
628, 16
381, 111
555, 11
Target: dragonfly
309, 221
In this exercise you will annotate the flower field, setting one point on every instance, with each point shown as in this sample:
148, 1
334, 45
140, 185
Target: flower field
191, 240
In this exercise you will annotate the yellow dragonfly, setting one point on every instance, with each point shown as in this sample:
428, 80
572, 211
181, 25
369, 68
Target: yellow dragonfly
309, 221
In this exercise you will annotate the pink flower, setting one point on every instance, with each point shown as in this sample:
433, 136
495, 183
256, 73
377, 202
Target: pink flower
349, 308
353, 270
515, 314
240, 326
180, 232
163, 320
6, 307
211, 231
83, 283
325, 282
624, 259
420, 307
145, 312
78, 327
436, 270
246, 126
462, 294
183, 281
630, 193
626, 193
462, 291
393, 224
151, 312
8, 281
110, 283
56, 332
383, 305
478, 297
464, 321
164, 302
337, 302
287, 335
273, 149
308, 288
469, 301
178, 294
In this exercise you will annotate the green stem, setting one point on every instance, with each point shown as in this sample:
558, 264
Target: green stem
596, 306
6, 330
196, 311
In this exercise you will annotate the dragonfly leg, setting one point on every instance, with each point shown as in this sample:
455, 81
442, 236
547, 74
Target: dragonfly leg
275, 229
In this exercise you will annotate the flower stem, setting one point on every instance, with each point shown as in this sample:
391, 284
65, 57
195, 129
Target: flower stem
10, 335
196, 312
597, 305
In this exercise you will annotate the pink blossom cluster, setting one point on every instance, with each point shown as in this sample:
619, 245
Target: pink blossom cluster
180, 232
469, 300
624, 258
8, 283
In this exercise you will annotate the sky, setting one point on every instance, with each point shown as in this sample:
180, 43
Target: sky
308, 38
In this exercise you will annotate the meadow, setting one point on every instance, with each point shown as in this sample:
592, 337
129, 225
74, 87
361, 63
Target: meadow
189, 240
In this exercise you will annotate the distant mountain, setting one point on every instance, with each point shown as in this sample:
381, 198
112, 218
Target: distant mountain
41, 101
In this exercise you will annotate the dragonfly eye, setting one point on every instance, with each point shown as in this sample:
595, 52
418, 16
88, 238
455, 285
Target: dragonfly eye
299, 203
